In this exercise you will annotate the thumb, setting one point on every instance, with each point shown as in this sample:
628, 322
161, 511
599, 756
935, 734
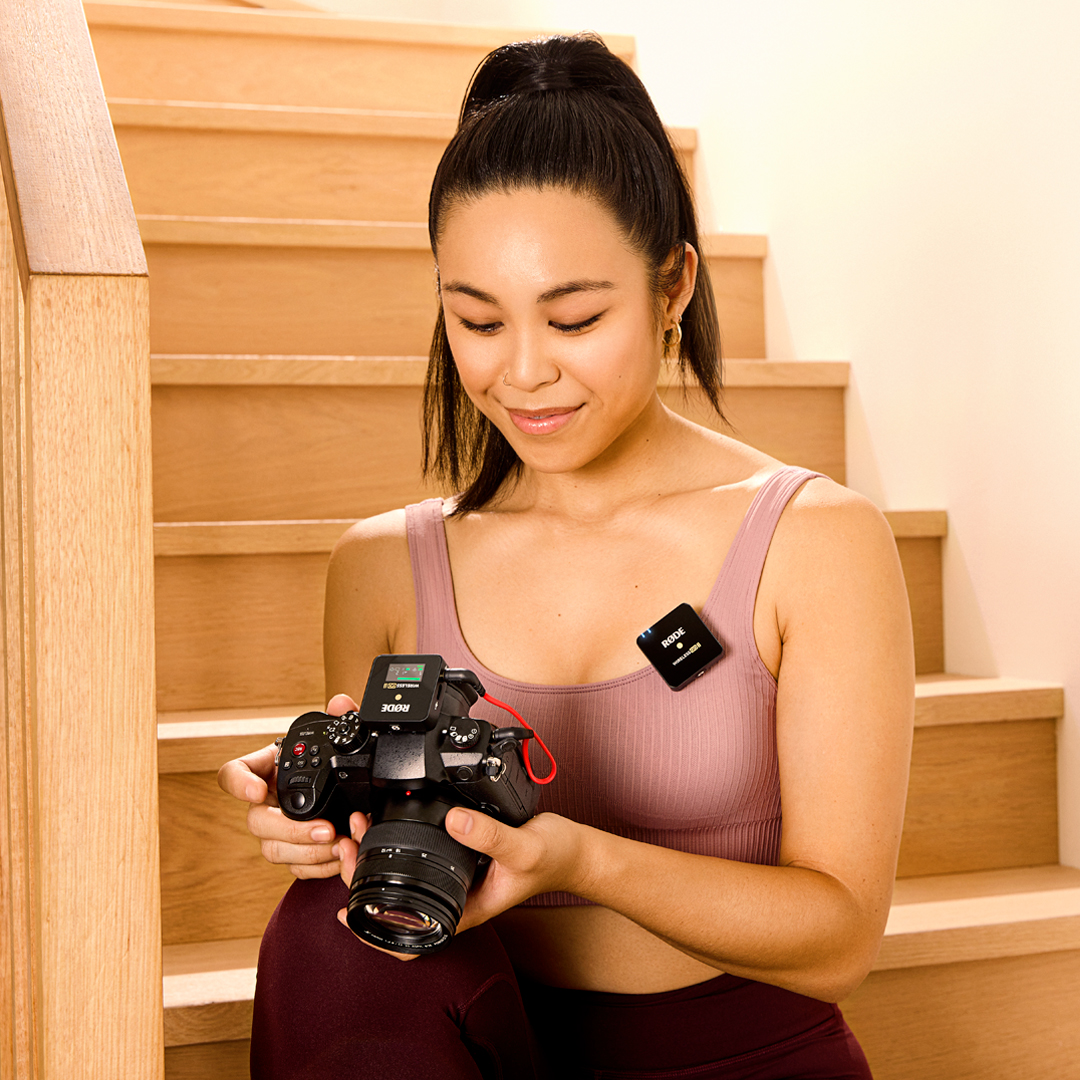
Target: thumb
340, 704
476, 831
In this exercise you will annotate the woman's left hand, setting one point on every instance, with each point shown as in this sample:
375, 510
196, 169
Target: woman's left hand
543, 855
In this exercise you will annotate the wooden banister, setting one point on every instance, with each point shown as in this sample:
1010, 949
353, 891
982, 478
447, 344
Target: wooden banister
80, 985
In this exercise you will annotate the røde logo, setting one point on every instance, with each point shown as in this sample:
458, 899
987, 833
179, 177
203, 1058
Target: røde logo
673, 637
403, 707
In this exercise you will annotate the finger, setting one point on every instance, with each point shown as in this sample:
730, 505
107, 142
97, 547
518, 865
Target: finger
483, 833
269, 823
347, 851
249, 777
340, 704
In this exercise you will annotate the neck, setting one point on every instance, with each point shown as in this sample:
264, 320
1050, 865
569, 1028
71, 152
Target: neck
640, 466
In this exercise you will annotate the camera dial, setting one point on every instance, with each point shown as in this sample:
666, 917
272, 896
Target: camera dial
346, 732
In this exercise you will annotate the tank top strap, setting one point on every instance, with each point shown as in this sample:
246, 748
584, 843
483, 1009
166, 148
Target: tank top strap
436, 613
731, 602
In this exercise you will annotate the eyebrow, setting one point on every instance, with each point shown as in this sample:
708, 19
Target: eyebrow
565, 289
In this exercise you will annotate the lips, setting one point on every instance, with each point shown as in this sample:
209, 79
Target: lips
541, 421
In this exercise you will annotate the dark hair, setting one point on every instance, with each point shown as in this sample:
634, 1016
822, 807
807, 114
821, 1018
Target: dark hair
560, 112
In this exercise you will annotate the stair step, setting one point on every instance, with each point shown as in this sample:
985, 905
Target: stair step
272, 161
978, 977
983, 788
254, 437
217, 580
269, 285
966, 788
956, 922
180, 53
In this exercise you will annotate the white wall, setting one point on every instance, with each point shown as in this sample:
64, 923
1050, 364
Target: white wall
916, 166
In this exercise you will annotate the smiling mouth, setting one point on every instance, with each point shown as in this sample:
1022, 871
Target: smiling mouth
541, 421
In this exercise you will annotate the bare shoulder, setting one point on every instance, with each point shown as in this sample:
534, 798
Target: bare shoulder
825, 517
370, 601
834, 552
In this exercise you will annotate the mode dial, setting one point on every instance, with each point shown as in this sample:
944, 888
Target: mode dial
346, 732
463, 732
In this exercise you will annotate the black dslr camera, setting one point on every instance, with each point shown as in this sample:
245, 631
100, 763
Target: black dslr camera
410, 754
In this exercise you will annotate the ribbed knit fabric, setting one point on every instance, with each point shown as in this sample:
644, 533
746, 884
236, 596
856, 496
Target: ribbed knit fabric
694, 770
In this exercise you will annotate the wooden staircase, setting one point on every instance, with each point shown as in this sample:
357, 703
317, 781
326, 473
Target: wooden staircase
279, 164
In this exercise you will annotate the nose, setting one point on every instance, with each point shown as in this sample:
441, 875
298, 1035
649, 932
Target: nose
530, 363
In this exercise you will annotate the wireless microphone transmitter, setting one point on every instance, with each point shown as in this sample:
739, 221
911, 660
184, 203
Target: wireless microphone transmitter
680, 646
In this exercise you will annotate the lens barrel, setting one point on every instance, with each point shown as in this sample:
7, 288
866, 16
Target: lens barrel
410, 885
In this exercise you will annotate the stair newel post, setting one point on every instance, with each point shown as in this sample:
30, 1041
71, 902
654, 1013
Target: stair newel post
80, 933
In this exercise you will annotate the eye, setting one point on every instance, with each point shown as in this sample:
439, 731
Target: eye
575, 328
480, 328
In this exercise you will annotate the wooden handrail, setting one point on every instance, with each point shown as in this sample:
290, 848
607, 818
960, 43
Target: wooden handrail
60, 161
80, 933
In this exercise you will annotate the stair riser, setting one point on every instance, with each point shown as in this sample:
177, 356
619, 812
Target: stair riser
997, 810
258, 452
1007, 1019
981, 797
275, 174
199, 66
208, 655
348, 301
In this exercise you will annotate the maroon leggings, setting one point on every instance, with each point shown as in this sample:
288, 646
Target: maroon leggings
327, 1007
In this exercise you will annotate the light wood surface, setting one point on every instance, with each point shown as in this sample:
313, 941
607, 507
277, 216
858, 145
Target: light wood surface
920, 557
237, 56
239, 630
59, 156
1005, 1019
252, 369
981, 797
79, 896
249, 452
272, 161
214, 881
339, 288
219, 1061
941, 699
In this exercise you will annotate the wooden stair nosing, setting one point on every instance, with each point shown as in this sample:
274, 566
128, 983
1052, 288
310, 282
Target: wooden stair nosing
184, 538
206, 230
304, 119
200, 741
956, 918
278, 23
251, 369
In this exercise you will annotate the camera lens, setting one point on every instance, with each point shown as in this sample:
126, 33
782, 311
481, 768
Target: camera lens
410, 884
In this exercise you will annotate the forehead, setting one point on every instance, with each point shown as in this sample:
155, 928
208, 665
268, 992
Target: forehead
534, 238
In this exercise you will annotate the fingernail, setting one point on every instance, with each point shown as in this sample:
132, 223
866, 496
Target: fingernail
462, 821
336, 851
321, 833
252, 793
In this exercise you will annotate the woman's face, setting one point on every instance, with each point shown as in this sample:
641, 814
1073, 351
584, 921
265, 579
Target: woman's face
551, 322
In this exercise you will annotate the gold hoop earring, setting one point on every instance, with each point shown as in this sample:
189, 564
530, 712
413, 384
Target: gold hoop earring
673, 339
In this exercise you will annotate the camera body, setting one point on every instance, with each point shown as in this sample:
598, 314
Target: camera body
406, 757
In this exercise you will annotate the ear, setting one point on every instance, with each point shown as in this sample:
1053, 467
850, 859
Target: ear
678, 296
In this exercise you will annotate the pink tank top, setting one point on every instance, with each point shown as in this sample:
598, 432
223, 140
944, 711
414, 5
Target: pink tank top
695, 770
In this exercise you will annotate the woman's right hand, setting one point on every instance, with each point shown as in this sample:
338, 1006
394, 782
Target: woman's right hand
308, 848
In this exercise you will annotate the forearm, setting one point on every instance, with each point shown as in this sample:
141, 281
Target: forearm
791, 926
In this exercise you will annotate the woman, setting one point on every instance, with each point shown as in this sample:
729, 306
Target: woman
655, 918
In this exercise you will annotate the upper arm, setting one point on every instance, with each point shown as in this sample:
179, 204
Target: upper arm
370, 602
845, 693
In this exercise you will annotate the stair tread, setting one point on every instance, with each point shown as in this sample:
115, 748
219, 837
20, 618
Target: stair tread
200, 741
254, 369
318, 232
304, 119
937, 920
180, 16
